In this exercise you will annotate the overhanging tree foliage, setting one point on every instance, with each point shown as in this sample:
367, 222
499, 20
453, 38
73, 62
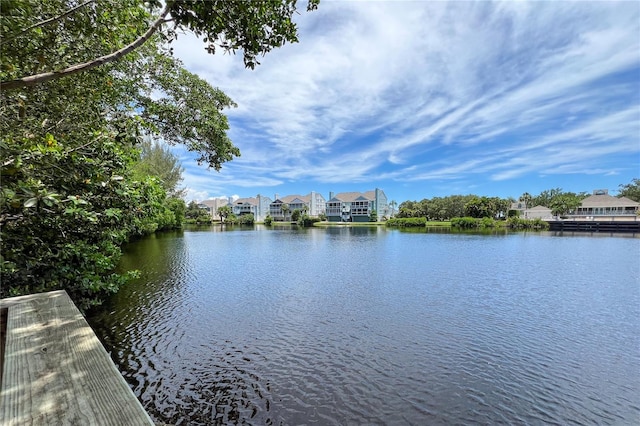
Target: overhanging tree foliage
69, 146
255, 27
190, 112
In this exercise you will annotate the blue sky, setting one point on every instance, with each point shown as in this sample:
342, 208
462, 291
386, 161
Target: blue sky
426, 99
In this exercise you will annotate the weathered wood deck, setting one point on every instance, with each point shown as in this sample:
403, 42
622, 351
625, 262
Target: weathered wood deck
56, 371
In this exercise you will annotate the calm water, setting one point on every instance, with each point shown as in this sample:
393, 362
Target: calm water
376, 326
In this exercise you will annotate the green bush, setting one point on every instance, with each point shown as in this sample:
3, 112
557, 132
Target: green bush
268, 220
308, 221
471, 223
538, 223
519, 223
407, 222
464, 222
516, 223
245, 219
64, 230
487, 222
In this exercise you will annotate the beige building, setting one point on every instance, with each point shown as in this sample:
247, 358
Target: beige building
602, 205
599, 205
537, 212
214, 204
258, 206
313, 204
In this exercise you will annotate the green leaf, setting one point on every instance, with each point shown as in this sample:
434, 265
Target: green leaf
31, 202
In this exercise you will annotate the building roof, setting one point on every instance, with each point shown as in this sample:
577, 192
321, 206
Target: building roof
253, 201
216, 202
294, 199
539, 209
606, 200
353, 196
300, 198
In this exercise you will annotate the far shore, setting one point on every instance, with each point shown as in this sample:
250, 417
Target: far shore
328, 224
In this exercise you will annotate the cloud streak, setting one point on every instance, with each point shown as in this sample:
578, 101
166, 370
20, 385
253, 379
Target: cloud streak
398, 93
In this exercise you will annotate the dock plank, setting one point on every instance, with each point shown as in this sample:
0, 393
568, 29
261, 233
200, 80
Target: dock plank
56, 371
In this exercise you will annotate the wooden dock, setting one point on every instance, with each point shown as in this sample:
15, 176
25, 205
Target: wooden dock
56, 371
611, 226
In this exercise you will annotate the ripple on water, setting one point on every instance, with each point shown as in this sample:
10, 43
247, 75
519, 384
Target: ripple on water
380, 328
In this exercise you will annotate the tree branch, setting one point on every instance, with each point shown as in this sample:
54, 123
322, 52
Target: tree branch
74, 69
46, 21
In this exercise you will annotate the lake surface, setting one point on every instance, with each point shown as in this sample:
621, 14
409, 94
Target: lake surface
376, 326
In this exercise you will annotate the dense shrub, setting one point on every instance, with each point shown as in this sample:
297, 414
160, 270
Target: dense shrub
64, 230
470, 222
406, 222
245, 219
308, 221
513, 213
464, 222
540, 224
518, 223
487, 222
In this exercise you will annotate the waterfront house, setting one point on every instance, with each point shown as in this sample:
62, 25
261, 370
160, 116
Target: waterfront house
537, 212
313, 203
601, 204
356, 206
258, 206
214, 204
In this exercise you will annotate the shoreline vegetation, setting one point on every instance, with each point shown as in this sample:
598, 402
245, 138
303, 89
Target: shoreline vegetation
513, 223
78, 105
456, 222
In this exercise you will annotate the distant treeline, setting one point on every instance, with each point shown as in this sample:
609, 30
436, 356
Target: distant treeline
475, 206
445, 208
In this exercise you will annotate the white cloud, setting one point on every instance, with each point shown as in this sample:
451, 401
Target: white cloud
195, 195
377, 89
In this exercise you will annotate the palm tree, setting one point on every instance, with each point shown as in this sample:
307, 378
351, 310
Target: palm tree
224, 212
526, 199
393, 204
285, 209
